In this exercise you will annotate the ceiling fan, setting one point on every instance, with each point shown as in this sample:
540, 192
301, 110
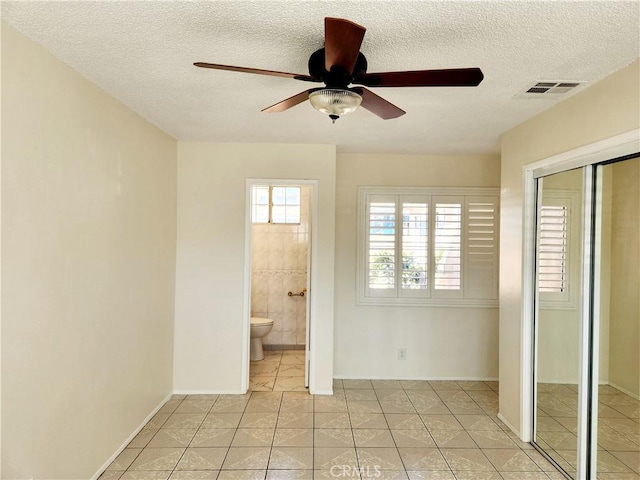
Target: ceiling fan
340, 64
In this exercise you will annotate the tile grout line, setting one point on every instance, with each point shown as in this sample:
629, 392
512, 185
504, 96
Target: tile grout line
427, 428
353, 435
421, 420
244, 410
274, 432
196, 433
128, 469
481, 450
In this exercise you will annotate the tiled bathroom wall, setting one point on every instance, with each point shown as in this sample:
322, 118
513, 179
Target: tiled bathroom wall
279, 266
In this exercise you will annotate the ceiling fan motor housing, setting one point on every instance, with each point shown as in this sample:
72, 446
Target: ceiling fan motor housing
338, 77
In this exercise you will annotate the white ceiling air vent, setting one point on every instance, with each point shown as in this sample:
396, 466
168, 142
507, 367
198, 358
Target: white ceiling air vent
548, 89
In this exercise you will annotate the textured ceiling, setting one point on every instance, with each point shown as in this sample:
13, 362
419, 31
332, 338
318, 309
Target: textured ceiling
142, 53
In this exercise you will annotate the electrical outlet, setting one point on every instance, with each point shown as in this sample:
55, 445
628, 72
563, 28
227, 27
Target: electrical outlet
402, 354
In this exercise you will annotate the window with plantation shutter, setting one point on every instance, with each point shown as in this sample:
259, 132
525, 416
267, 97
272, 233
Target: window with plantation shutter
381, 244
557, 227
415, 243
427, 246
447, 274
481, 279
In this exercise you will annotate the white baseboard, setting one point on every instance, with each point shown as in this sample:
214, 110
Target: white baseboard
624, 390
450, 379
559, 382
504, 420
209, 392
321, 392
235, 392
131, 437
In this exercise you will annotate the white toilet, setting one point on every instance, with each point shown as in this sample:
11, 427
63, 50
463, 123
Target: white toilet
259, 328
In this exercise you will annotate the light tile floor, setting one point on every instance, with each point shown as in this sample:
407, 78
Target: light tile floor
618, 430
368, 429
280, 370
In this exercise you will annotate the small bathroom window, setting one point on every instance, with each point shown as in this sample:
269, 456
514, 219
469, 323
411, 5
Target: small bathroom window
275, 204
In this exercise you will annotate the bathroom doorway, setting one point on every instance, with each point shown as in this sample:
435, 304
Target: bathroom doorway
279, 234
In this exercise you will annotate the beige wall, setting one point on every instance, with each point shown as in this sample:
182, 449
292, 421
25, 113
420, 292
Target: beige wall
211, 258
88, 259
440, 342
624, 327
606, 109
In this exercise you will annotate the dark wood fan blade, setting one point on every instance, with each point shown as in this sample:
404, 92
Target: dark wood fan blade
378, 105
288, 103
342, 40
454, 77
258, 71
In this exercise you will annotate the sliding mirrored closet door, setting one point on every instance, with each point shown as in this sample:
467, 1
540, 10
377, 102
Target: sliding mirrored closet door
586, 383
559, 259
616, 435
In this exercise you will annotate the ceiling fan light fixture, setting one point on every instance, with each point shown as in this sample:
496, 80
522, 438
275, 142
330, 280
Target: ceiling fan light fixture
335, 102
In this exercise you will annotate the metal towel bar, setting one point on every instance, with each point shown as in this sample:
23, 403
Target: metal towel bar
301, 294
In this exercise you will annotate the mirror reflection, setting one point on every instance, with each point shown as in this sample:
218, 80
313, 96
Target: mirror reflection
618, 434
558, 268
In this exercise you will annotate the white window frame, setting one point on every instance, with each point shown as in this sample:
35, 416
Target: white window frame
465, 296
270, 205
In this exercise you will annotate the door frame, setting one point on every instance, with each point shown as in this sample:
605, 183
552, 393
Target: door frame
618, 146
311, 273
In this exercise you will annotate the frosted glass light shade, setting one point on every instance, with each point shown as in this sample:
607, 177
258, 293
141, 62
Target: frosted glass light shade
335, 101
